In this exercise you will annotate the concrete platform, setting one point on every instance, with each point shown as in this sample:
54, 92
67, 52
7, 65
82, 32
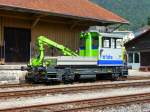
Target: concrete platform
138, 73
11, 74
11, 66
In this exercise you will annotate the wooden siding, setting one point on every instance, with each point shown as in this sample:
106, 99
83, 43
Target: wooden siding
61, 33
145, 58
141, 44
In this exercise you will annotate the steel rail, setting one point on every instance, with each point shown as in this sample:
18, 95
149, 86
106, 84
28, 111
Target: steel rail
16, 85
69, 89
71, 106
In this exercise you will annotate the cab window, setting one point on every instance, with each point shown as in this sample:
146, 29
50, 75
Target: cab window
82, 43
106, 42
95, 42
118, 43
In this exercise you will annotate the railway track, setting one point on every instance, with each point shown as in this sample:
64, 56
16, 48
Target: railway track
16, 85
68, 89
80, 105
30, 85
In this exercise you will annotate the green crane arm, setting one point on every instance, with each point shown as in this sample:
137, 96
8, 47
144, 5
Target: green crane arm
41, 42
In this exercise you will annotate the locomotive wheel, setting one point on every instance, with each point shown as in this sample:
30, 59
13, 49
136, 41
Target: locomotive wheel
28, 80
67, 76
115, 77
36, 81
77, 78
65, 79
123, 78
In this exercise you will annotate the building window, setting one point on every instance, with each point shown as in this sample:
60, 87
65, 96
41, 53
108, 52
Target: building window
106, 42
130, 58
118, 43
136, 58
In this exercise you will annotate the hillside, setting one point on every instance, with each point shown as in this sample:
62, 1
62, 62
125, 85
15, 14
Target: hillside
135, 11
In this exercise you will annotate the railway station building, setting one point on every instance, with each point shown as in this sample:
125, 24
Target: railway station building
138, 50
22, 21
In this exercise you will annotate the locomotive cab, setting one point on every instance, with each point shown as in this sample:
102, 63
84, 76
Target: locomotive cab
108, 49
95, 44
111, 53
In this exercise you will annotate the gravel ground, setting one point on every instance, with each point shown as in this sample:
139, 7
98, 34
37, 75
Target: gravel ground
68, 85
140, 107
139, 73
69, 97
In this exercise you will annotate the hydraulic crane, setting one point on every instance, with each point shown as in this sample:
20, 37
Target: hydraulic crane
43, 41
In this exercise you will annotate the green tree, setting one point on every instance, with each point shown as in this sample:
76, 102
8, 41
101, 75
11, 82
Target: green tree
135, 11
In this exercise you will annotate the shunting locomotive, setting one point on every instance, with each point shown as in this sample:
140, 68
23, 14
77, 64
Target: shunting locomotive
100, 54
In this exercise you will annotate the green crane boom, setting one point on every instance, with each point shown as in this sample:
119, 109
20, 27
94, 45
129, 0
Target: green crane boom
41, 42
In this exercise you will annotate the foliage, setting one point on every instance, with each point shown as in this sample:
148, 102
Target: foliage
135, 11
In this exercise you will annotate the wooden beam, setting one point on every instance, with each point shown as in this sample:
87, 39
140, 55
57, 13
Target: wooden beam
38, 18
75, 23
35, 17
15, 14
35, 22
54, 21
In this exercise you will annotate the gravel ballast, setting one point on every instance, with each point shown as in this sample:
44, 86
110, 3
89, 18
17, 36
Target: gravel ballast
68, 85
71, 97
140, 107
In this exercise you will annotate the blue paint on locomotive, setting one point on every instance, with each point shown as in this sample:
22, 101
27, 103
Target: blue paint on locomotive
110, 62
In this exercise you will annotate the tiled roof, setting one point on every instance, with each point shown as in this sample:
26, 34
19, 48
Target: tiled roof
70, 8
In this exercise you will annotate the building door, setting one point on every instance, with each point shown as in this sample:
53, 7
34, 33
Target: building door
17, 44
134, 60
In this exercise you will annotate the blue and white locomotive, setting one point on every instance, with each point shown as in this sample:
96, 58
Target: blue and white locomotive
100, 54
110, 53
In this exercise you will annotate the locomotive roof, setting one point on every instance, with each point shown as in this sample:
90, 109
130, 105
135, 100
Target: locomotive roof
112, 35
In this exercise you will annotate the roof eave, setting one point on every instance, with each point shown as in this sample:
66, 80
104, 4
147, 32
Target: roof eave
137, 37
22, 9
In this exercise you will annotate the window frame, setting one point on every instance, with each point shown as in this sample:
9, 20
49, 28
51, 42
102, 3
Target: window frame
132, 57
135, 57
115, 43
95, 39
82, 43
106, 38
